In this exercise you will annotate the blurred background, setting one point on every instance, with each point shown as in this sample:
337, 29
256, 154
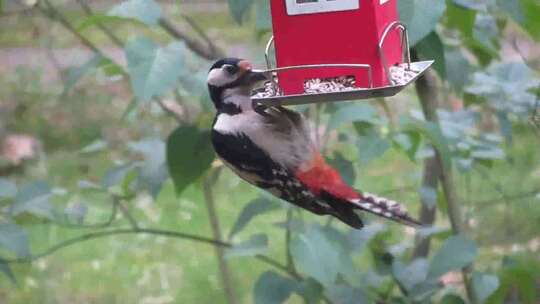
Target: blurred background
110, 191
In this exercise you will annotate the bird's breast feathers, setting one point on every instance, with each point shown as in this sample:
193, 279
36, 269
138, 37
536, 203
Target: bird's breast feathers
282, 141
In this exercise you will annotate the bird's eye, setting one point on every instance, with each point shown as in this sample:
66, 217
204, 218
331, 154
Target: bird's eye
231, 69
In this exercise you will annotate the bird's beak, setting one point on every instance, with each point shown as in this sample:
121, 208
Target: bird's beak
258, 75
252, 76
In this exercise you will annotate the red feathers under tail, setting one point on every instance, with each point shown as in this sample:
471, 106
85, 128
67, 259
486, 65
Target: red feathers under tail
318, 176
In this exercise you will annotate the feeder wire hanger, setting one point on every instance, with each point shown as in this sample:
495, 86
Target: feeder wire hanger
418, 68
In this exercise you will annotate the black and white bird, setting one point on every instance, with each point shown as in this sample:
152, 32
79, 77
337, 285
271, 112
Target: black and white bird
272, 149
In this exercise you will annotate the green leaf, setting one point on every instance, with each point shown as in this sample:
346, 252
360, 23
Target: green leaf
371, 147
488, 153
263, 21
272, 288
432, 132
153, 171
106, 20
431, 48
146, 11
251, 210
96, 146
153, 70
344, 294
359, 239
75, 74
189, 155
425, 290
486, 34
456, 253
8, 189
484, 285
518, 278
4, 267
116, 176
452, 299
409, 142
513, 9
506, 87
461, 18
14, 239
421, 17
344, 166
410, 275
257, 244
531, 9
354, 112
33, 198
239, 8
316, 256
310, 290
457, 69
434, 232
76, 212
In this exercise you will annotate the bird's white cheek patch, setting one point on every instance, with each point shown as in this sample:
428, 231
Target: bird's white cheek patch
218, 78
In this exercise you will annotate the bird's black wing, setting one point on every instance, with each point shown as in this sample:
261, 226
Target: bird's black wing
253, 165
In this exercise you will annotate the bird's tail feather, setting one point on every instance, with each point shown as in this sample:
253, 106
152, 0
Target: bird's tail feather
384, 207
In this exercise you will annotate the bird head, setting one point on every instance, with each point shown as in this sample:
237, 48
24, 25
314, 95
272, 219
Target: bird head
230, 82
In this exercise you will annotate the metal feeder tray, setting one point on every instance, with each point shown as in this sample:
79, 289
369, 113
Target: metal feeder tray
351, 94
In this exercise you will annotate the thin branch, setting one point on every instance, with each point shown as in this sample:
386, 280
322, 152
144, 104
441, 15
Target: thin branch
88, 11
125, 211
191, 43
105, 224
535, 115
496, 186
288, 255
211, 45
226, 277
172, 109
399, 190
100, 234
507, 198
52, 13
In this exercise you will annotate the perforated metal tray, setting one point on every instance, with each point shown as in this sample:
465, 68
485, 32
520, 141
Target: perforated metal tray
356, 94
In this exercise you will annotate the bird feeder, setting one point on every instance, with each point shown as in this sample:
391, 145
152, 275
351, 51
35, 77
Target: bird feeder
335, 50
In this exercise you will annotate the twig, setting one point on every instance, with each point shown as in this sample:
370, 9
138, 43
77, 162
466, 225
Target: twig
211, 45
52, 13
88, 11
105, 224
535, 116
100, 234
496, 186
507, 198
399, 190
288, 255
226, 276
191, 43
125, 211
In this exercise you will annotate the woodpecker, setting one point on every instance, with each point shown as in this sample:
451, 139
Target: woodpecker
271, 148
